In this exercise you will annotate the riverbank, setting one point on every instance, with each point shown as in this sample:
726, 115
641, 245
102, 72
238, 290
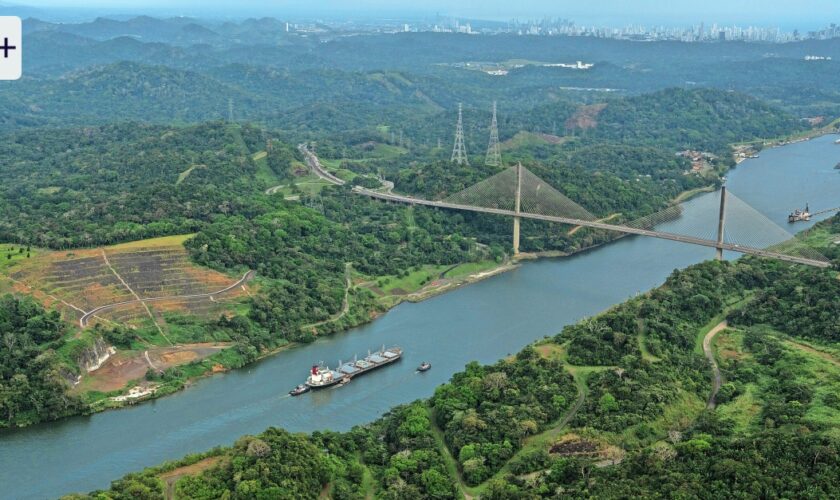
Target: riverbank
832, 128
485, 322
429, 283
230, 360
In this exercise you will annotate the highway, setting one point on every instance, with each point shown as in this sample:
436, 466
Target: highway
316, 167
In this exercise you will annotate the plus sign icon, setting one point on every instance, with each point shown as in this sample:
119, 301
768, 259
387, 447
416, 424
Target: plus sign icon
11, 41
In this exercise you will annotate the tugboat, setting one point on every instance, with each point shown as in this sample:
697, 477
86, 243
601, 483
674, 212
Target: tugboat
321, 376
424, 367
800, 215
297, 391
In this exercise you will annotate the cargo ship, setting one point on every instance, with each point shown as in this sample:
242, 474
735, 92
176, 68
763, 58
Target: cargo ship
321, 376
800, 215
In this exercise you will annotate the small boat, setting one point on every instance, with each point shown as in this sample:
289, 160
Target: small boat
297, 391
424, 367
800, 215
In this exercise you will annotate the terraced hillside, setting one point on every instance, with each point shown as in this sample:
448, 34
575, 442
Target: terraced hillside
126, 283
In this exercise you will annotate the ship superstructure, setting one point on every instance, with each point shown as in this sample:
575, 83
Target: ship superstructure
321, 376
800, 215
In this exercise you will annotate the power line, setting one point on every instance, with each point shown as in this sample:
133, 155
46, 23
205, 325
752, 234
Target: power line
494, 154
459, 151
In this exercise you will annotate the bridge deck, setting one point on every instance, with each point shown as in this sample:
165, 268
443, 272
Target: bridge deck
319, 170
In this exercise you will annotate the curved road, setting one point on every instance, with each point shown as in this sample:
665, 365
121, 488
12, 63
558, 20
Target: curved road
84, 320
710, 355
316, 167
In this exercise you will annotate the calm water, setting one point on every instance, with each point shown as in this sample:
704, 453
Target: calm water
481, 322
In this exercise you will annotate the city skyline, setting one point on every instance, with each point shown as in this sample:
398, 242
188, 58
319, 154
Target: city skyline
808, 15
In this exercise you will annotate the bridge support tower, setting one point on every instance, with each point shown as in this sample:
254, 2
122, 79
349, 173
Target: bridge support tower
721, 219
517, 209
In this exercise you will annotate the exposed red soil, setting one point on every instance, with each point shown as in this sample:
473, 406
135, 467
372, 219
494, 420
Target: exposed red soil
123, 367
585, 117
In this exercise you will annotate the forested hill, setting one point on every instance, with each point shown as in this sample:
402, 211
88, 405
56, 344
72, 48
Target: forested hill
100, 185
674, 119
703, 119
612, 407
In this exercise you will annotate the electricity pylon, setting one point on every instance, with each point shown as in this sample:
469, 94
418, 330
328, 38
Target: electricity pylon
459, 151
494, 154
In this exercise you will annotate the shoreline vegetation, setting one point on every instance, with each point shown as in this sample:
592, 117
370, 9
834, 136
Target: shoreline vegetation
134, 393
585, 410
832, 128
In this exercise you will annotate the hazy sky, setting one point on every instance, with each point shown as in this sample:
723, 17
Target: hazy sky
804, 13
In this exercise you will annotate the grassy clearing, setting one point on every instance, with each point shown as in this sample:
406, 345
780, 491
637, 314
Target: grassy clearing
368, 482
744, 410
643, 348
701, 333
334, 167
309, 185
470, 268
808, 243
264, 172
391, 289
691, 193
678, 415
823, 375
464, 490
387, 151
186, 173
817, 369
12, 254
414, 281
165, 241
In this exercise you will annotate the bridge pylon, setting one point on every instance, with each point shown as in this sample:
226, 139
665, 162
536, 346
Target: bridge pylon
517, 209
721, 219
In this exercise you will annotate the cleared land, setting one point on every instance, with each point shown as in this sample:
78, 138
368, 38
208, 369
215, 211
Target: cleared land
77, 282
126, 366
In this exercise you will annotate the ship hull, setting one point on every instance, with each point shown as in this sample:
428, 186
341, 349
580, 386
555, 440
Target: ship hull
350, 371
331, 383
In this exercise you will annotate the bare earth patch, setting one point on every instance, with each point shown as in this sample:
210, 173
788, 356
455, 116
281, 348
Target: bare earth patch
585, 117
80, 281
124, 367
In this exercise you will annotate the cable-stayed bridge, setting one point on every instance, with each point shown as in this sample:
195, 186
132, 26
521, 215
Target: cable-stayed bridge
730, 223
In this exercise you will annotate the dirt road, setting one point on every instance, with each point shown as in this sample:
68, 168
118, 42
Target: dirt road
710, 355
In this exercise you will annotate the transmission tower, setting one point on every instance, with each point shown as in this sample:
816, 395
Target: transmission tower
459, 151
230, 109
494, 155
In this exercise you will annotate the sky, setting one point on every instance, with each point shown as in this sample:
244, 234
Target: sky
783, 13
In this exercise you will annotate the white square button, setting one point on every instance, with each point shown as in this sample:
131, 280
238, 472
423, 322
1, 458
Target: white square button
11, 40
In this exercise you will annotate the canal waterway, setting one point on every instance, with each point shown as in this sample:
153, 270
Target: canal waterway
482, 322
